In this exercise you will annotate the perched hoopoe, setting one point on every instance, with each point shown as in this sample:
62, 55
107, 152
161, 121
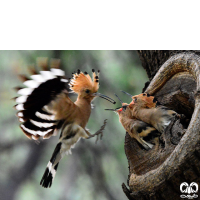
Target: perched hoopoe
45, 109
136, 129
146, 108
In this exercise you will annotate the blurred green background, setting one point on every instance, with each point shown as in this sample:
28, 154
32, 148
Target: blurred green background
93, 171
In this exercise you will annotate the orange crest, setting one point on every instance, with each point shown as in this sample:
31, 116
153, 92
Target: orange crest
81, 81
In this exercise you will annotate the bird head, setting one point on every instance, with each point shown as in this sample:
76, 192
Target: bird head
143, 100
87, 87
123, 111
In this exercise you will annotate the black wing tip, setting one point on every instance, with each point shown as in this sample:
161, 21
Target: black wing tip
47, 179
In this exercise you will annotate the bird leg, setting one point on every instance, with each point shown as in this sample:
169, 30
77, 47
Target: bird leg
98, 133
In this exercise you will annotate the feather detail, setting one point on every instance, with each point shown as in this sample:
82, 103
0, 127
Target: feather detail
71, 134
82, 81
42, 88
146, 108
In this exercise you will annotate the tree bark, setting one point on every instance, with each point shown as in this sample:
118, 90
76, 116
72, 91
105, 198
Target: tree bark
158, 173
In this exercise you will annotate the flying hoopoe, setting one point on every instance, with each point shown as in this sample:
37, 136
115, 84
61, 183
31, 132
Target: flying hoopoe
136, 129
146, 108
44, 109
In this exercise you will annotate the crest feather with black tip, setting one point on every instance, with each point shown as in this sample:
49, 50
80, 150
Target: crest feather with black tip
81, 81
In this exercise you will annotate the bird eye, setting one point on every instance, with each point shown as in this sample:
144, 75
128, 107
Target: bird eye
87, 91
124, 108
135, 100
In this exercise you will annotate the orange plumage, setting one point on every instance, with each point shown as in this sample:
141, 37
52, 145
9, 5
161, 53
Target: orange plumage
81, 81
146, 108
45, 109
135, 128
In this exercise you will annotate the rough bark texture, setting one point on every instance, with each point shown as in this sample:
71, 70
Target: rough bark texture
158, 173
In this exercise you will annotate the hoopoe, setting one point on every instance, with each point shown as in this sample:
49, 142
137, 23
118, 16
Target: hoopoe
136, 129
44, 109
146, 108
146, 100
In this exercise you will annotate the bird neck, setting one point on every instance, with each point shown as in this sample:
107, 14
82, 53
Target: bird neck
125, 121
84, 110
83, 102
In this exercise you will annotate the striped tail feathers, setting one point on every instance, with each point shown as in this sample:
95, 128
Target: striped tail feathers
70, 135
52, 167
49, 175
41, 88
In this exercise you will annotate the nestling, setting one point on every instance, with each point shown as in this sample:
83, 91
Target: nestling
146, 108
45, 109
136, 129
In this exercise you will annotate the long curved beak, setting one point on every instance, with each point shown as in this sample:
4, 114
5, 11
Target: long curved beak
119, 99
111, 109
116, 109
104, 97
127, 93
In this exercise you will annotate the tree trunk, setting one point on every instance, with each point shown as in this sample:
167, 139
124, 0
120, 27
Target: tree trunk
158, 173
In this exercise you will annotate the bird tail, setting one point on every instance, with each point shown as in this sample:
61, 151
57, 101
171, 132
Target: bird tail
70, 135
49, 175
52, 167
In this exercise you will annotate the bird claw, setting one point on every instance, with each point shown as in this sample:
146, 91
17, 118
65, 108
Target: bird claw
99, 133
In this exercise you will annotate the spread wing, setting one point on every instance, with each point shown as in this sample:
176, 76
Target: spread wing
43, 104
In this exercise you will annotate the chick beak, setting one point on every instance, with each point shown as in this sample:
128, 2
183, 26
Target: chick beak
111, 109
119, 99
124, 105
127, 93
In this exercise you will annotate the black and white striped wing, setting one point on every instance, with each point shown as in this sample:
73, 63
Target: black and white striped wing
32, 104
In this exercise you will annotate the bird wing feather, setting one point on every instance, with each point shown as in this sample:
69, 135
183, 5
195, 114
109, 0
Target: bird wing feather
44, 103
